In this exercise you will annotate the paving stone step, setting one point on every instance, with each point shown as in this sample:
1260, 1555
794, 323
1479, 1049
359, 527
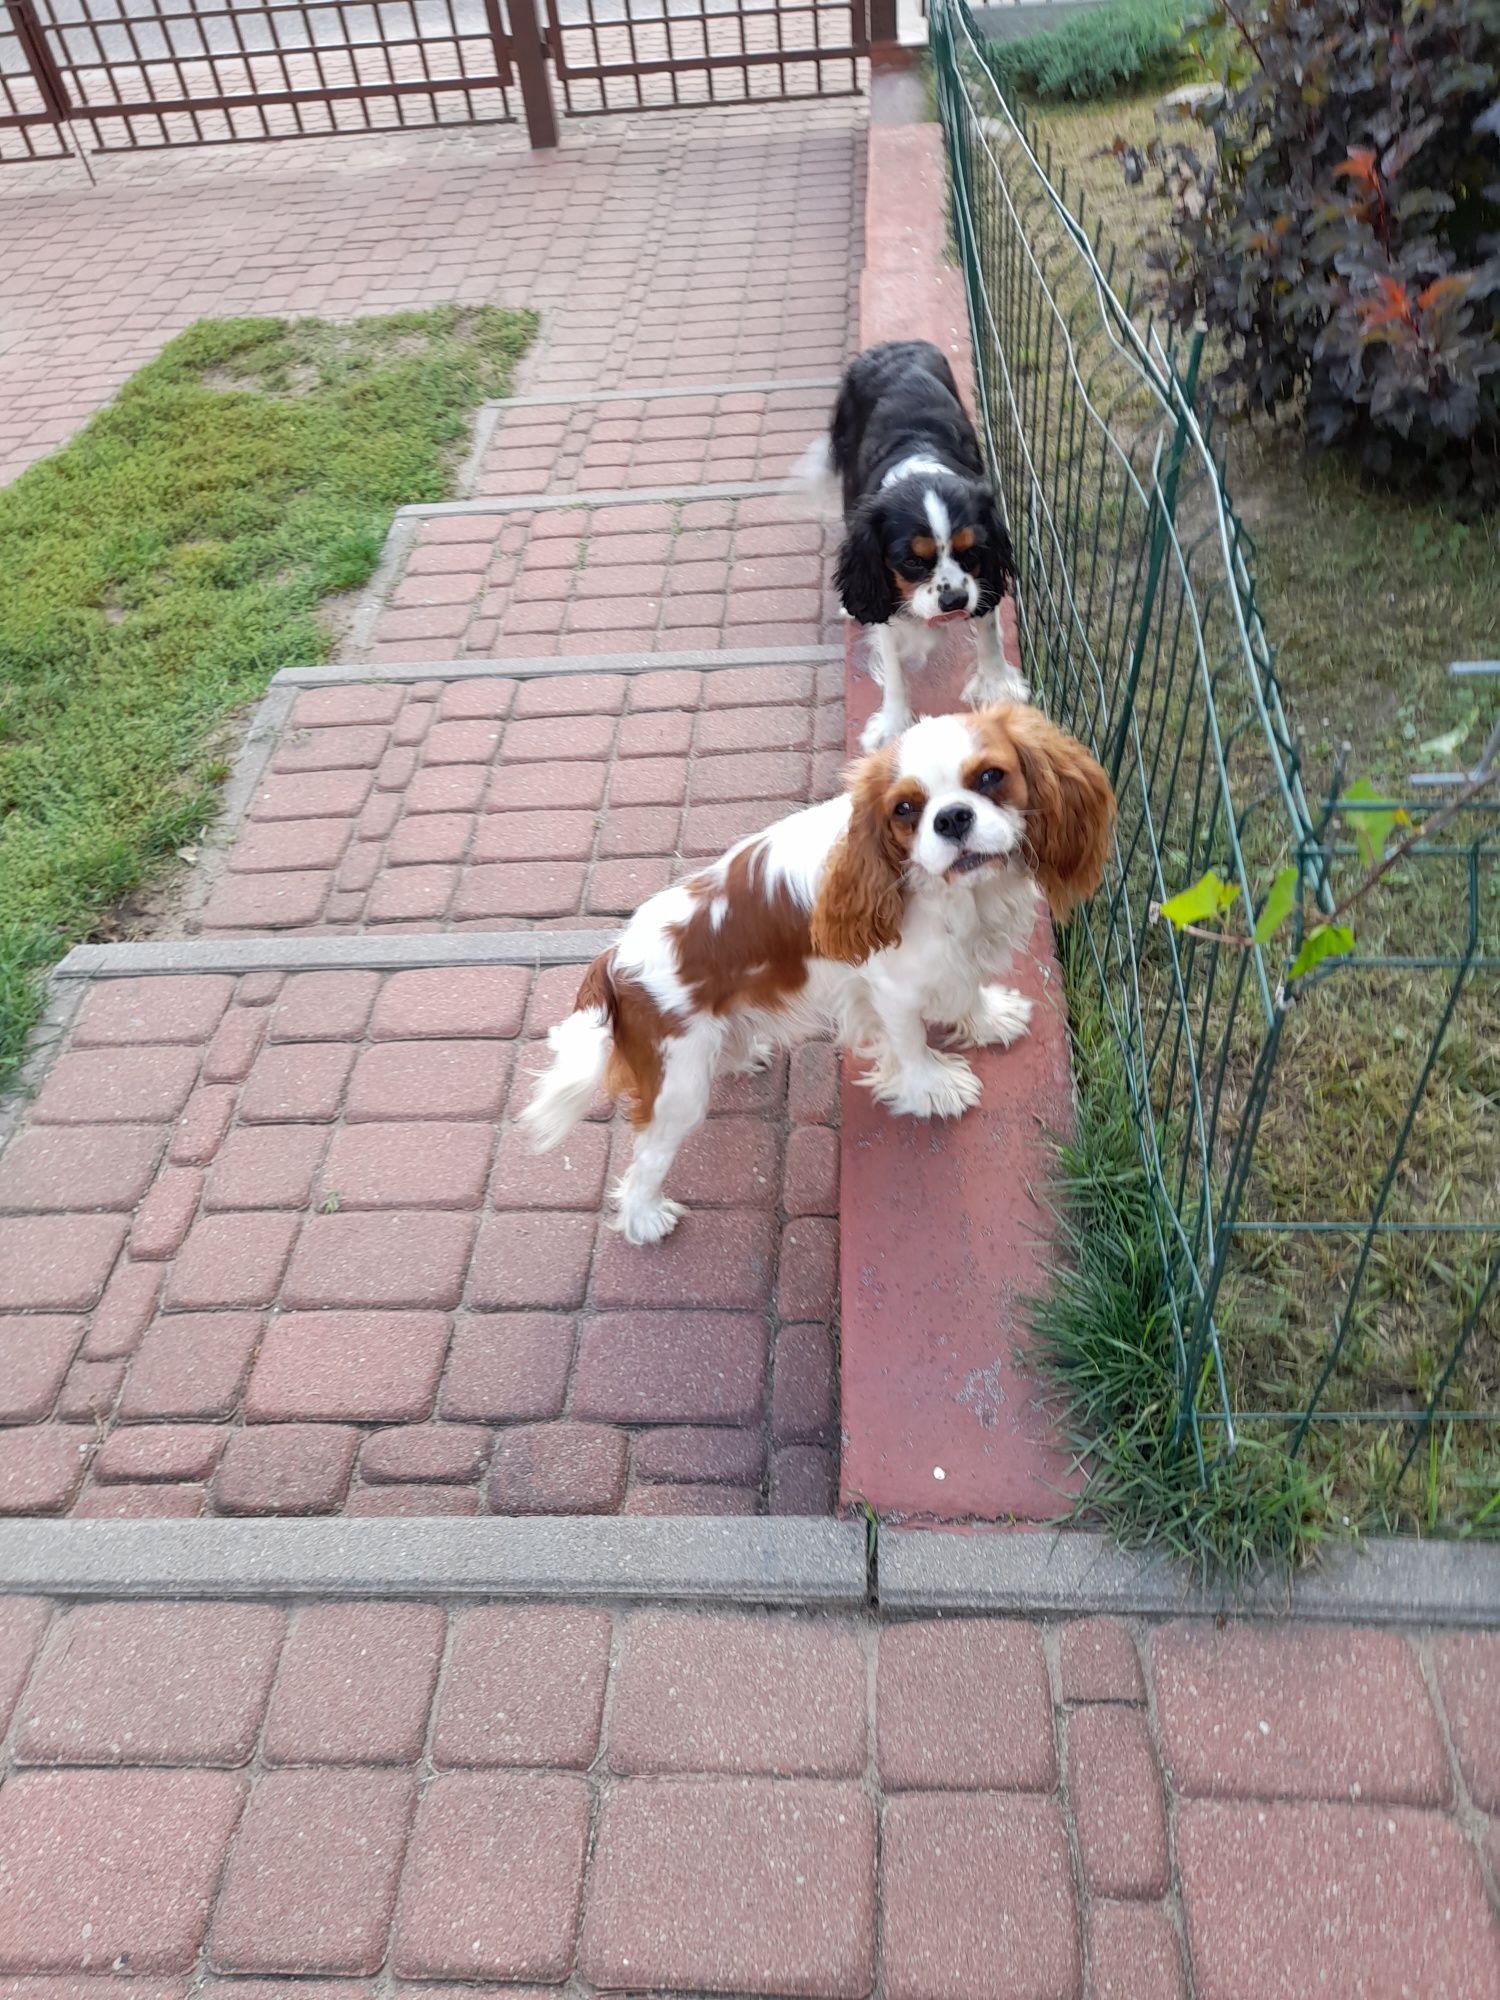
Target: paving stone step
697, 436
247, 1799
499, 802
270, 1243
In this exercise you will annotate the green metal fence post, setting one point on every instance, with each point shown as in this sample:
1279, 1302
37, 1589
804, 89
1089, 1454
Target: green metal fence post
1164, 508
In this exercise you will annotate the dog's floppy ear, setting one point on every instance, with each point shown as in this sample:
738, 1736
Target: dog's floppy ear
860, 904
866, 585
996, 558
1070, 809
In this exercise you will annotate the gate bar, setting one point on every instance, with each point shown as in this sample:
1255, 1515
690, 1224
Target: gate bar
531, 69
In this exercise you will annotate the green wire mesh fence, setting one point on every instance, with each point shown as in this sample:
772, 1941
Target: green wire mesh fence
1328, 1270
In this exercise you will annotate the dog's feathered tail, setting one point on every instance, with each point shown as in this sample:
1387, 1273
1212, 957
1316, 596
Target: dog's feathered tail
814, 475
581, 1048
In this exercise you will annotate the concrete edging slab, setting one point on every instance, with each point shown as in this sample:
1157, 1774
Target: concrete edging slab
346, 673
356, 953
1037, 1573
746, 1561
668, 390
613, 496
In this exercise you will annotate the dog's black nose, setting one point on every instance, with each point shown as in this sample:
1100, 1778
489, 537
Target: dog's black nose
953, 600
953, 822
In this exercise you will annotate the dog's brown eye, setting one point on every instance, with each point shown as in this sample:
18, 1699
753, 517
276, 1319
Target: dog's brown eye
987, 780
906, 810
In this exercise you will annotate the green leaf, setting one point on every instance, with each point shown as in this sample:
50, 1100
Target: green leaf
1372, 829
1444, 746
1325, 941
1277, 906
1208, 895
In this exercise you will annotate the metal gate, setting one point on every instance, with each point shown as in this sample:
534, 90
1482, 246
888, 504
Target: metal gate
124, 75
133, 74
634, 55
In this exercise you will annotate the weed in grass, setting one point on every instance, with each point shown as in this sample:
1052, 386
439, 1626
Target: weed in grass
159, 569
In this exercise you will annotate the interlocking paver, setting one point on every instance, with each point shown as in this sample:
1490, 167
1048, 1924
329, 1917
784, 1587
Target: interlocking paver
1099, 1662
23, 1626
311, 1882
1134, 1953
524, 1686
351, 1367
674, 1367
494, 1878
1390, 1896
1311, 1713
286, 1469
1118, 1804
750, 1695
734, 1885
965, 1704
977, 1897
355, 1685
35, 1351
151, 1684
559, 1468
100, 1866
1468, 1673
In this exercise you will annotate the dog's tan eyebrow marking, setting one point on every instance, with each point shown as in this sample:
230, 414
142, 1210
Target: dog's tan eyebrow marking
964, 539
923, 546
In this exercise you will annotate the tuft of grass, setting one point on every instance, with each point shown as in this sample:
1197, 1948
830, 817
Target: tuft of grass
1104, 1337
1099, 53
159, 569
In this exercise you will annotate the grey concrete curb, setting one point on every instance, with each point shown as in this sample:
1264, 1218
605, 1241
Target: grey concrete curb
346, 673
64, 998
764, 1561
251, 760
539, 402
375, 591
613, 496
356, 953
1058, 1574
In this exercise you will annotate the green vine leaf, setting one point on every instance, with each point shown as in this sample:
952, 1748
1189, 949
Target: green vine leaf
1372, 829
1323, 941
1277, 906
1208, 896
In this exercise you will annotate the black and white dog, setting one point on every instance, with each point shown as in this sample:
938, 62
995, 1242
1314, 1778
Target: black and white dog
923, 539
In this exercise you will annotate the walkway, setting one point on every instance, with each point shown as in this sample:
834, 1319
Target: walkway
217, 1797
268, 1242
267, 1247
710, 247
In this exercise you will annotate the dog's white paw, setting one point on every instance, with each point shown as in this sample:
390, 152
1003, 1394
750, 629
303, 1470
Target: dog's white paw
883, 727
982, 688
645, 1221
940, 1087
1000, 1017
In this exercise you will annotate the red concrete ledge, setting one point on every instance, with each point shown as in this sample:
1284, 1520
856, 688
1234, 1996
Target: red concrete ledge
943, 1234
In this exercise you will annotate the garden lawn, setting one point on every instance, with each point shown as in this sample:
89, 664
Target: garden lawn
158, 570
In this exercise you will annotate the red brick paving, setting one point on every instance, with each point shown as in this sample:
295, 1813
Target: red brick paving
657, 441
720, 246
500, 828
362, 1294
688, 1801
657, 575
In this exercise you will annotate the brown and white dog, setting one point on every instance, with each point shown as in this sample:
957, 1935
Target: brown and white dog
873, 914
